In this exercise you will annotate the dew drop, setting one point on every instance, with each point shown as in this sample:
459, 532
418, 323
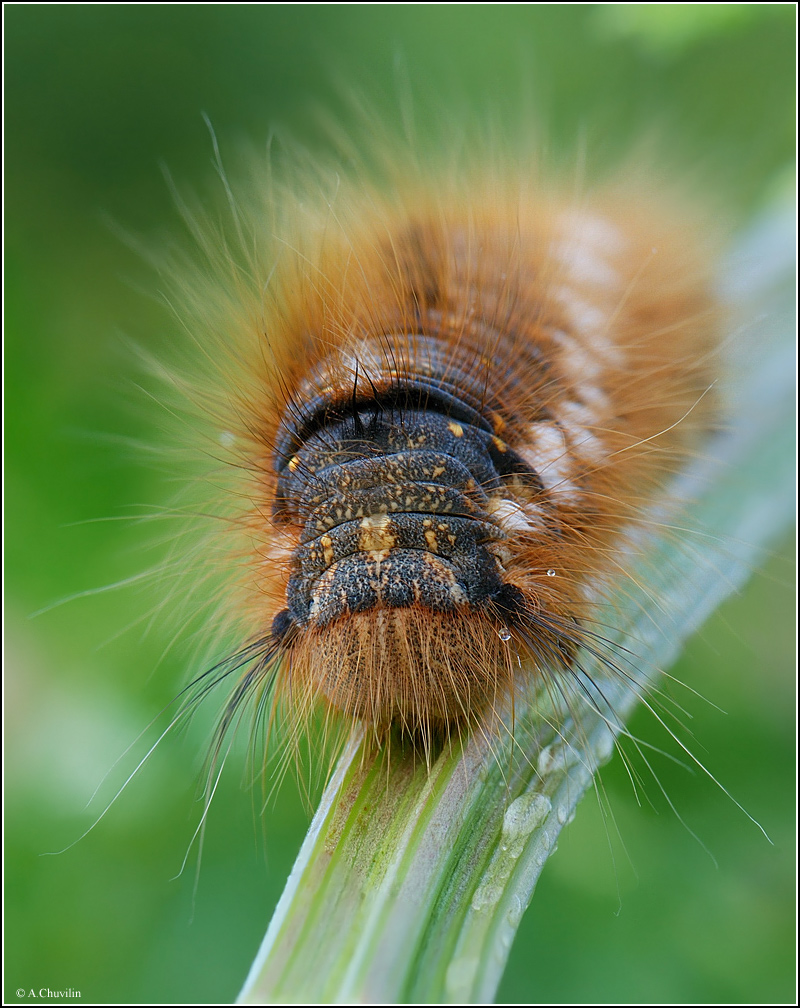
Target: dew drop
551, 573
504, 634
486, 897
523, 816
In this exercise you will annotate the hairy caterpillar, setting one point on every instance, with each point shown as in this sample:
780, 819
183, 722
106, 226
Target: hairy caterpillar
456, 396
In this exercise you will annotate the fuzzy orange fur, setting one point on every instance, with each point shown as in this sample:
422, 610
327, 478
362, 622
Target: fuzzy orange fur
588, 328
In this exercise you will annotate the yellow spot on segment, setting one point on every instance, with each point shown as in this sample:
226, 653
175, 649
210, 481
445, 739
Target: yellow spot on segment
501, 446
455, 429
498, 424
293, 463
437, 471
430, 539
327, 549
376, 534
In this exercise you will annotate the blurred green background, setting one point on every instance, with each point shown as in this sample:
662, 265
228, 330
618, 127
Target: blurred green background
96, 97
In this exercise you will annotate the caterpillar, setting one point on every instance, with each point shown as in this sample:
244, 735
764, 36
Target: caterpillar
451, 397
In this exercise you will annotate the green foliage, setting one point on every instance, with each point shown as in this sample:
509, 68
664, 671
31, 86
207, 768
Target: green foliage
666, 30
